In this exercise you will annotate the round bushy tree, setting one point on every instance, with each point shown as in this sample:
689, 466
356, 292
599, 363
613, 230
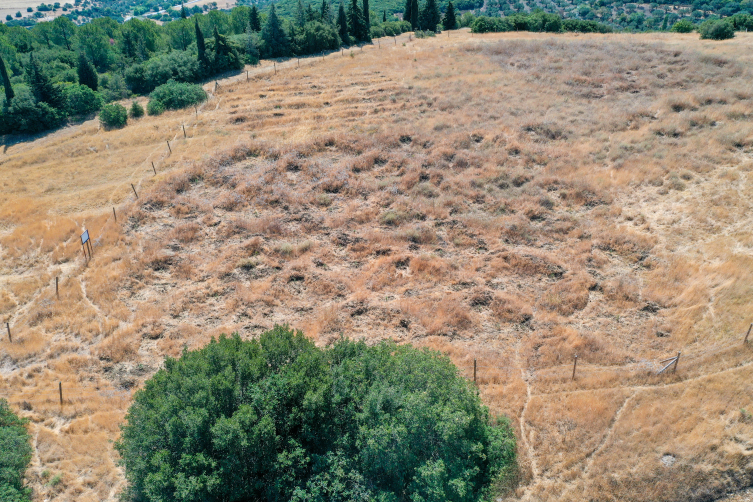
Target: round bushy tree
15, 454
176, 95
716, 29
113, 116
136, 111
280, 419
682, 26
81, 100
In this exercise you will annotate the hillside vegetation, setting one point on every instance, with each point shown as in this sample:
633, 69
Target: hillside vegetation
514, 199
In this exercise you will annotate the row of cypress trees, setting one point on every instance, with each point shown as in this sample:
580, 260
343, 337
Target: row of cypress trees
427, 18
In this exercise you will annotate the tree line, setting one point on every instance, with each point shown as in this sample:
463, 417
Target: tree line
59, 71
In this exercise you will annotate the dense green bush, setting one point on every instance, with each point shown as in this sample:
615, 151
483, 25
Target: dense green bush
683, 26
176, 95
15, 455
27, 116
280, 419
580, 26
81, 100
113, 116
136, 111
155, 107
716, 29
181, 66
314, 37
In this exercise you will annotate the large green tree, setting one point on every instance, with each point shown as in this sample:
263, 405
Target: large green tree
15, 455
430, 16
342, 25
63, 32
201, 48
279, 419
358, 29
276, 42
94, 41
449, 22
87, 74
254, 20
42, 87
6, 82
414, 14
407, 10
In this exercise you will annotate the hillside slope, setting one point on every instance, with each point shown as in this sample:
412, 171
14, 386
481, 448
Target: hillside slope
515, 199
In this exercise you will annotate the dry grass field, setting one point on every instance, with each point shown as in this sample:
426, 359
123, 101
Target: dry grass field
513, 198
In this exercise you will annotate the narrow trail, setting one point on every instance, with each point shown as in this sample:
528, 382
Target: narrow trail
527, 442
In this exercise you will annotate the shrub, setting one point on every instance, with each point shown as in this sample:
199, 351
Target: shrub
280, 419
113, 116
377, 32
181, 66
155, 107
136, 111
15, 455
715, 29
683, 26
27, 116
176, 95
81, 100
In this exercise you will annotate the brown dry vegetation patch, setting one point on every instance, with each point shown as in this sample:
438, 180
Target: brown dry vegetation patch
515, 201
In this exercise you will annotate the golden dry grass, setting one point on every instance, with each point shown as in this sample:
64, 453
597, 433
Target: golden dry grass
516, 199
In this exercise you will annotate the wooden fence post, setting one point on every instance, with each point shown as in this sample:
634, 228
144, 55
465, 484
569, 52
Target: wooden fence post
168, 146
674, 369
60, 389
57, 289
275, 63
748, 334
154, 169
246, 75
575, 364
184, 130
134, 191
474, 370
114, 215
10, 337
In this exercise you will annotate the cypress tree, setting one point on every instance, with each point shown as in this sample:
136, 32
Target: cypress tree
300, 14
87, 74
274, 36
326, 17
430, 16
342, 24
254, 20
384, 16
366, 21
183, 14
407, 10
6, 82
356, 21
414, 14
201, 48
450, 22
43, 89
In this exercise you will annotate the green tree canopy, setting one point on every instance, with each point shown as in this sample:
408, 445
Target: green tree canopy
15, 455
449, 22
342, 25
87, 74
6, 82
280, 419
254, 20
276, 42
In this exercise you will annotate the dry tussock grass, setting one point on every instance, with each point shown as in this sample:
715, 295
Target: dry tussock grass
597, 208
